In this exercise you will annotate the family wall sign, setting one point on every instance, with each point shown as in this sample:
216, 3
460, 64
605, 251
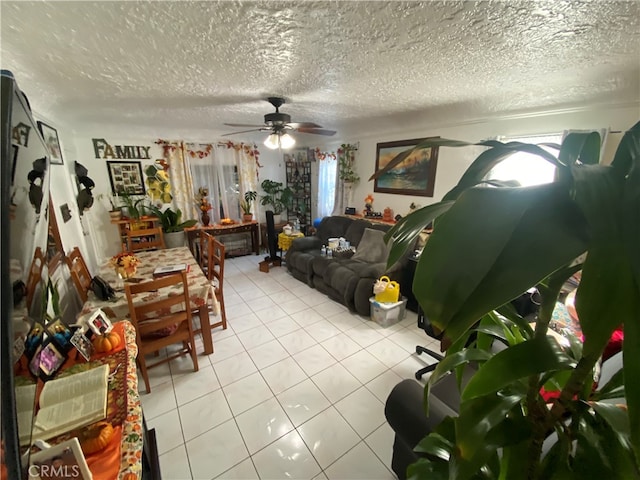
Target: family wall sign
103, 149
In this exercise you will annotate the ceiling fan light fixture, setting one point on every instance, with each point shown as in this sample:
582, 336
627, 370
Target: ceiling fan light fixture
272, 141
287, 141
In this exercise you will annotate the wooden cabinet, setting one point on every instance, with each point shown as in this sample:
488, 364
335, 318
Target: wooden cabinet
299, 181
126, 224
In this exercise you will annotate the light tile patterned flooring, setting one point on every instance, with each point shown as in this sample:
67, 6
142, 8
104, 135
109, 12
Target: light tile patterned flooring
295, 388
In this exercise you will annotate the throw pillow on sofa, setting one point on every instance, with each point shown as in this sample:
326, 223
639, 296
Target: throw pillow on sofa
372, 248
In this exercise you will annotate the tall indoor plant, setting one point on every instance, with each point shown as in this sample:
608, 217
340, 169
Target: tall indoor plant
276, 195
489, 245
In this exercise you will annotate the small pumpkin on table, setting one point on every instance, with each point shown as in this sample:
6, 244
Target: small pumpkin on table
96, 437
106, 341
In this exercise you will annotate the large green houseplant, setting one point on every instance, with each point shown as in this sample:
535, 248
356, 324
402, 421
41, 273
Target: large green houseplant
492, 242
276, 195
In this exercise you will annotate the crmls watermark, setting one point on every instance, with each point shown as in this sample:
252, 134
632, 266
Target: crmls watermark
55, 471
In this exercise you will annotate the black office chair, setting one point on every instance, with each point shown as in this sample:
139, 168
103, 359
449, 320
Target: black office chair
424, 324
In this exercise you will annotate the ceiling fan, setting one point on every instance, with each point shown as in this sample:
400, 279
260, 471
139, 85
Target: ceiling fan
279, 124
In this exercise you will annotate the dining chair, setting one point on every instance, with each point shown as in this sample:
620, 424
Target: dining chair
161, 320
145, 239
212, 264
35, 274
79, 272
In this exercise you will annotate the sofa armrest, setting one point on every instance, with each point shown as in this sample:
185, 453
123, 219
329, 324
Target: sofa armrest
304, 244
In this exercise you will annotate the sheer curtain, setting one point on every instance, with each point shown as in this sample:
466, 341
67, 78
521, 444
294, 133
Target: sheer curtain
226, 189
181, 178
327, 173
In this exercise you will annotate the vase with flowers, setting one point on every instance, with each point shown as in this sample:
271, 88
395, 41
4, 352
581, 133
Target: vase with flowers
203, 204
125, 264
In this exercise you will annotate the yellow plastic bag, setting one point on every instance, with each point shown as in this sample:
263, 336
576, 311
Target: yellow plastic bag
386, 290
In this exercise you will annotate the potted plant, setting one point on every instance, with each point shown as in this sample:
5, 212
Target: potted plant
172, 225
488, 246
277, 196
246, 205
132, 205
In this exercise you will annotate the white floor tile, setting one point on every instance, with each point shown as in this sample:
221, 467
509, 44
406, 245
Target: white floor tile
247, 393
168, 431
359, 463
245, 322
364, 366
203, 414
407, 368
381, 442
364, 335
234, 368
340, 346
408, 340
345, 320
322, 330
216, 451
382, 385
196, 384
174, 464
243, 471
263, 425
270, 314
314, 359
307, 317
282, 326
302, 402
282, 375
294, 305
255, 336
237, 311
283, 297
287, 458
268, 354
226, 348
336, 382
328, 436
297, 341
362, 410
260, 303
388, 352
329, 308
159, 401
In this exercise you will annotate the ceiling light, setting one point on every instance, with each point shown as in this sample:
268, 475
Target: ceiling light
287, 141
279, 140
272, 141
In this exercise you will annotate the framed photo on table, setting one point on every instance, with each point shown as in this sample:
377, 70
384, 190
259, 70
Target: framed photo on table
52, 141
126, 177
415, 175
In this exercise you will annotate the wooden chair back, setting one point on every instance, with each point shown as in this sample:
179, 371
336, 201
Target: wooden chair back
162, 318
212, 263
35, 274
145, 239
79, 272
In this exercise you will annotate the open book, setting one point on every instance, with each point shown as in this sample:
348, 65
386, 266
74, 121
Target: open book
170, 269
65, 403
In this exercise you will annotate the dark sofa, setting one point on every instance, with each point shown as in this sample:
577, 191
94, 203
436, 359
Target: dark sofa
346, 279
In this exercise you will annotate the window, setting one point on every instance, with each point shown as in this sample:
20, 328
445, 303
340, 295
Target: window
526, 168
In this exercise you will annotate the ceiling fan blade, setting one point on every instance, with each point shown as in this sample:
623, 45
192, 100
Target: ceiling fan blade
242, 125
317, 131
243, 131
304, 125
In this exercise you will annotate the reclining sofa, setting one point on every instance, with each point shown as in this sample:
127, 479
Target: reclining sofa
346, 278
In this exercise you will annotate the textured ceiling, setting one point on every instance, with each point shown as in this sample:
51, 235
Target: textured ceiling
170, 68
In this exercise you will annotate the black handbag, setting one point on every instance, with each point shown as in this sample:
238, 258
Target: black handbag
101, 288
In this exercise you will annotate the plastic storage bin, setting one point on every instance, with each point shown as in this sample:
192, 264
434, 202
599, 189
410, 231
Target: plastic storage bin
387, 314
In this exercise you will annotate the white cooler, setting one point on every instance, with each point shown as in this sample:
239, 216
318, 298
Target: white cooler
387, 314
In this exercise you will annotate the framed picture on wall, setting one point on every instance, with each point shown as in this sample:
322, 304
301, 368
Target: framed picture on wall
52, 141
413, 176
126, 177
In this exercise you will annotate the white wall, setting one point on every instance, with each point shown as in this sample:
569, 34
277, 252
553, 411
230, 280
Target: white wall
452, 162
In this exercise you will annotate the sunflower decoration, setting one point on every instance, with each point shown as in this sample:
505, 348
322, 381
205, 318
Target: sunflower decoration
158, 186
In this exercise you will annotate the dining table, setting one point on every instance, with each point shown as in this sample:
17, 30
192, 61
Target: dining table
200, 289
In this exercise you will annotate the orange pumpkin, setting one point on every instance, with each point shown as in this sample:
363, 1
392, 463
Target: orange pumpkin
107, 342
96, 437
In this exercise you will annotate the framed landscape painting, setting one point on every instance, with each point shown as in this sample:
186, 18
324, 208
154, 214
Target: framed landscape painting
126, 177
414, 176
